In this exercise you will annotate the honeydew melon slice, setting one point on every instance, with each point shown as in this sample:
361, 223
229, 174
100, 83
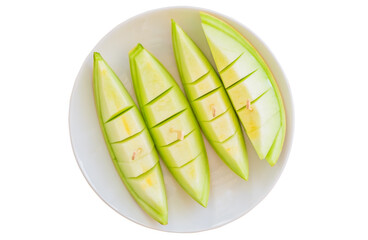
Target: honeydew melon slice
168, 107
121, 121
210, 102
236, 60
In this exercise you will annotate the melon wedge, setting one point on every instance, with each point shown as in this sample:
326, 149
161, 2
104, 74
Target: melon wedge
210, 102
129, 144
250, 85
171, 123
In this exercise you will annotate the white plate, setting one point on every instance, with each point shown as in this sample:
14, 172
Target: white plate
230, 196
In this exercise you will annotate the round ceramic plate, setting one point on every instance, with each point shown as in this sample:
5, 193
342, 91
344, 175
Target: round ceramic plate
230, 196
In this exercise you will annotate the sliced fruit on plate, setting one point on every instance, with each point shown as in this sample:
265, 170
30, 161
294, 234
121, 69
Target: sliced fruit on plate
171, 123
128, 141
210, 102
250, 85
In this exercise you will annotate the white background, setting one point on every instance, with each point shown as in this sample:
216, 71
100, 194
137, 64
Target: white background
323, 49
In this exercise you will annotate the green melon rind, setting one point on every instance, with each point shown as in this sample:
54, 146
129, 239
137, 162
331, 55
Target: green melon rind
276, 148
240, 167
161, 217
203, 200
219, 24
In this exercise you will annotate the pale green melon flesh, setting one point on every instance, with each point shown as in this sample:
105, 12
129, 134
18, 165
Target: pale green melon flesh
242, 67
249, 89
136, 167
166, 133
211, 105
192, 175
264, 136
209, 101
113, 98
237, 60
222, 127
133, 148
121, 121
233, 150
152, 72
125, 125
207, 83
188, 51
169, 110
181, 151
224, 49
148, 186
261, 111
164, 107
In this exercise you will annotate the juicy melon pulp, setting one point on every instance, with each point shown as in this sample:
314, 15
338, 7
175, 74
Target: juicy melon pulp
182, 151
234, 152
192, 175
221, 128
166, 133
239, 69
264, 136
207, 83
151, 72
148, 185
261, 111
135, 168
249, 89
211, 105
133, 148
124, 126
223, 47
164, 107
112, 97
